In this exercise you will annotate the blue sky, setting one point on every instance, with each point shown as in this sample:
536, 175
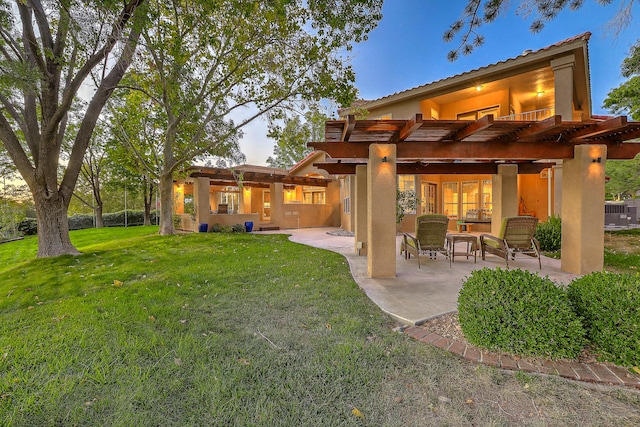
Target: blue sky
407, 50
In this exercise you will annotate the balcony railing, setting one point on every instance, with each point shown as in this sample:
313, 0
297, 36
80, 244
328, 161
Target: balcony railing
534, 115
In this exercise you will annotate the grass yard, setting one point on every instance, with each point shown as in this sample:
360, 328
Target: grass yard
240, 329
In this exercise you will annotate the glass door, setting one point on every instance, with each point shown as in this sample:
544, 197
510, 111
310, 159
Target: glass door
266, 205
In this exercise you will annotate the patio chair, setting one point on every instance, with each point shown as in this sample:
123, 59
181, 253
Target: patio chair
223, 208
516, 236
431, 233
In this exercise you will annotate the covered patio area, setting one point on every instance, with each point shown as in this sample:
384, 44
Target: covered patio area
416, 295
376, 151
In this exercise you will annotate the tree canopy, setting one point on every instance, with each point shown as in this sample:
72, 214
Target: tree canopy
49, 52
203, 62
624, 175
291, 138
478, 12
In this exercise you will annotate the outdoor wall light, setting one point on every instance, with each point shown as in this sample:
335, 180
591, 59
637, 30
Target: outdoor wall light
385, 159
597, 160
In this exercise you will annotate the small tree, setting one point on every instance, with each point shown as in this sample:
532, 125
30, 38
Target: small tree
406, 201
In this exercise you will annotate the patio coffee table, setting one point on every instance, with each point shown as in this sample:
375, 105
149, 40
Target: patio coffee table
471, 245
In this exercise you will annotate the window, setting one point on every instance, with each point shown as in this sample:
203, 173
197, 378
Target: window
347, 205
231, 197
450, 199
478, 114
485, 202
470, 193
313, 195
407, 183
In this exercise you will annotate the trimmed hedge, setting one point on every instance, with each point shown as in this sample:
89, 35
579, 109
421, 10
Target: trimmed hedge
610, 306
519, 312
549, 234
29, 226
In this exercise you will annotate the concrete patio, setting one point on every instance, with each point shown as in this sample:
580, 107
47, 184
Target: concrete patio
416, 295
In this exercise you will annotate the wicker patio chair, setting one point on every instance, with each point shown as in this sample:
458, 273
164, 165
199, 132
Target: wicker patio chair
431, 233
516, 236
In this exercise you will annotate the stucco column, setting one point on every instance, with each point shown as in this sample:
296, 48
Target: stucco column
359, 203
245, 200
381, 211
563, 85
557, 190
178, 197
201, 200
277, 203
505, 195
583, 210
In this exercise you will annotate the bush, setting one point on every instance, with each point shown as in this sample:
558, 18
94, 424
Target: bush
80, 221
519, 312
237, 228
549, 234
28, 227
610, 306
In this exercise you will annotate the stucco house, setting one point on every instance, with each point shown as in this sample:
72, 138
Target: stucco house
512, 138
533, 86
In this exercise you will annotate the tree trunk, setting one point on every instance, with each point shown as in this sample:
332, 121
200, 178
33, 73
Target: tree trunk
98, 212
165, 186
53, 226
148, 196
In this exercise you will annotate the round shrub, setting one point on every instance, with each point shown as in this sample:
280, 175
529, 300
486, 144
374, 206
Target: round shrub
519, 312
549, 234
610, 306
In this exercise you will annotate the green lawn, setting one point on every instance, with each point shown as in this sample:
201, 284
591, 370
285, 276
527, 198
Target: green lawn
239, 329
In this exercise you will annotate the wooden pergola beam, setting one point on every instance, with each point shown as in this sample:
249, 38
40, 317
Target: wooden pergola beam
476, 151
226, 176
410, 127
473, 127
423, 168
538, 129
349, 125
596, 129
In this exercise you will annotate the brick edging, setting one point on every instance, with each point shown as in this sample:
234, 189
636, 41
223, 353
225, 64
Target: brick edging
587, 372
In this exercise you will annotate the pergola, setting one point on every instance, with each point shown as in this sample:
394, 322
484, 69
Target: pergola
376, 150
225, 176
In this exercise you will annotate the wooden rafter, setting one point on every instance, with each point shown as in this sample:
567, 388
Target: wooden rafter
409, 128
471, 128
348, 127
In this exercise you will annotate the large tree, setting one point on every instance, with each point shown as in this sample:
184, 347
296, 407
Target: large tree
204, 62
478, 12
48, 50
292, 137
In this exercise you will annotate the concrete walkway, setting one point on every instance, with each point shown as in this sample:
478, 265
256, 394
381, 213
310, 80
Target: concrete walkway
416, 295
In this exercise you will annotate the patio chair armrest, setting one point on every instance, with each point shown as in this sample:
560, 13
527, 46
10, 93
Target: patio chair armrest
411, 241
497, 242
